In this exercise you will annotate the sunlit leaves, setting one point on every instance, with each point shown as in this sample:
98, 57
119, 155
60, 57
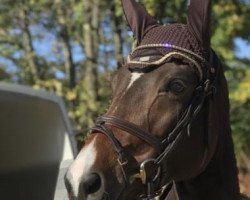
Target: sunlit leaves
64, 23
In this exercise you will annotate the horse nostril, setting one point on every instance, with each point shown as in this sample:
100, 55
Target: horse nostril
91, 183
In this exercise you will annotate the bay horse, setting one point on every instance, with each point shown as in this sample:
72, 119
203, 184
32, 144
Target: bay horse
166, 134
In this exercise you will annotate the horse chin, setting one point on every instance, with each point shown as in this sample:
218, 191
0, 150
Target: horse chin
132, 193
131, 196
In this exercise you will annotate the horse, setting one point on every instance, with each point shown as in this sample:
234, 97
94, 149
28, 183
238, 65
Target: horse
166, 134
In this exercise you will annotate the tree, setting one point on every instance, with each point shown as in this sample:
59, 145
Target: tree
89, 40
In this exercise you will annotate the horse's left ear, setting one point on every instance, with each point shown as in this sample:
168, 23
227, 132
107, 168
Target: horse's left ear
198, 21
138, 19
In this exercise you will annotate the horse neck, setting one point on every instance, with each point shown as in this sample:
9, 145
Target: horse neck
219, 179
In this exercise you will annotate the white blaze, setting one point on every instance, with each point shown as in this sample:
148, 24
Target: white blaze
87, 156
134, 77
81, 166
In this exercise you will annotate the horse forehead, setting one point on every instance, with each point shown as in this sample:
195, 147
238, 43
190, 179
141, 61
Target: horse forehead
134, 76
82, 165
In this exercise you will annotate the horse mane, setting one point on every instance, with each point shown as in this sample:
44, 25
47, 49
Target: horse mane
228, 164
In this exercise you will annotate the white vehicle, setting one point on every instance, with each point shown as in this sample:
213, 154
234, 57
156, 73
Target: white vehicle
35, 138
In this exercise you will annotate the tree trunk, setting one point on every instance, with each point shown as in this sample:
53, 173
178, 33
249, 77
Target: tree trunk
91, 42
117, 36
28, 47
63, 20
69, 63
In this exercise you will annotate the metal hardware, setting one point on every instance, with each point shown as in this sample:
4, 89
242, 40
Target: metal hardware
149, 171
122, 162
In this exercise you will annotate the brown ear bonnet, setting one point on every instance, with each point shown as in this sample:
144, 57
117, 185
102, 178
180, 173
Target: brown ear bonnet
156, 43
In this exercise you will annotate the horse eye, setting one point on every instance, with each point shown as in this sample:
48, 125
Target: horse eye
176, 86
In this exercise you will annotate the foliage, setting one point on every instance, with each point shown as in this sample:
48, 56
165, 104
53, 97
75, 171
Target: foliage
230, 21
70, 47
239, 82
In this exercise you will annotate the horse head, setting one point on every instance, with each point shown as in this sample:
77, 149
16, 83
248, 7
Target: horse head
166, 132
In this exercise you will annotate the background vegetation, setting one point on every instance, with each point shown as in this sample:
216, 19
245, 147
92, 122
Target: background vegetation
70, 47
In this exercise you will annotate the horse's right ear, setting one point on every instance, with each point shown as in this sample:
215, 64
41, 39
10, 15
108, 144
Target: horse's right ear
138, 18
199, 21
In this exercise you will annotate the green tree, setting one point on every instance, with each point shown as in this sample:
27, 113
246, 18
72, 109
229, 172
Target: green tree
99, 32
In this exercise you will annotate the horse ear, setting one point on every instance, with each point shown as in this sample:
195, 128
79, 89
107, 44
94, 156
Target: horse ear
138, 18
198, 21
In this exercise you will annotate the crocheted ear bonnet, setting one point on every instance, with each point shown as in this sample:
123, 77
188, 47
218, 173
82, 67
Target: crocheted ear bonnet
157, 44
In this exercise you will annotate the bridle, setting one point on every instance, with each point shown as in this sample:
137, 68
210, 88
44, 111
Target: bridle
163, 147
150, 170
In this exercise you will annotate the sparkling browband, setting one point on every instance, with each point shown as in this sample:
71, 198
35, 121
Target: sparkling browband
162, 59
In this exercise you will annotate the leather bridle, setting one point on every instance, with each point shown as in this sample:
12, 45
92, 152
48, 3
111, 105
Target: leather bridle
163, 147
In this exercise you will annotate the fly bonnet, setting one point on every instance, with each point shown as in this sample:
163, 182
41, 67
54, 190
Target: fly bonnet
157, 44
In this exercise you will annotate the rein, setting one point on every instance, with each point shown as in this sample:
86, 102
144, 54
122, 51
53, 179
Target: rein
150, 170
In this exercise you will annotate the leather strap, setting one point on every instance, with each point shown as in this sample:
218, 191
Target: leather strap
132, 129
166, 146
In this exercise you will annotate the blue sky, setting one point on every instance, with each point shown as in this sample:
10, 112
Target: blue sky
47, 48
50, 49
242, 49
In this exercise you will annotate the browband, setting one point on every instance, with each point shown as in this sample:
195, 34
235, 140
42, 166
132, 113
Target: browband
178, 51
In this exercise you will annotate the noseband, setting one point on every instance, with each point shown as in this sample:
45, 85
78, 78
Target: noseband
150, 170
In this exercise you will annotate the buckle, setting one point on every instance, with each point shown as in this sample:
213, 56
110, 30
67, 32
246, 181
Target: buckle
149, 171
122, 162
